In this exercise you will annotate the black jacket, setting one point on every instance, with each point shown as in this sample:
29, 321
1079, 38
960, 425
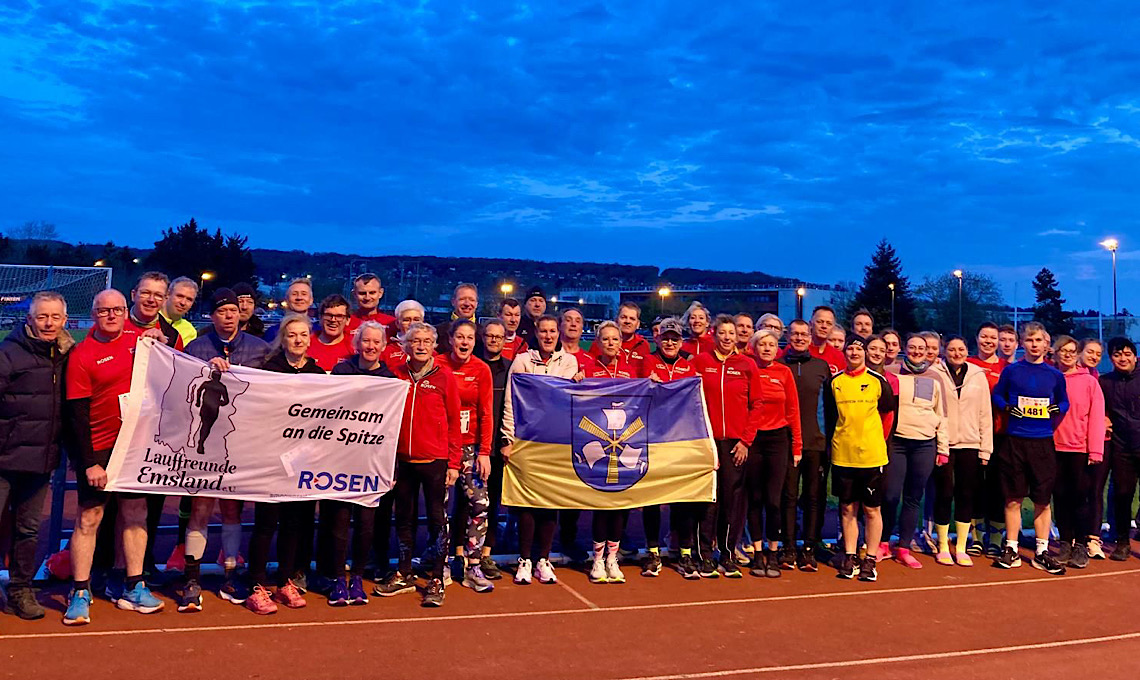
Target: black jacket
31, 393
350, 367
810, 373
500, 368
1122, 406
277, 363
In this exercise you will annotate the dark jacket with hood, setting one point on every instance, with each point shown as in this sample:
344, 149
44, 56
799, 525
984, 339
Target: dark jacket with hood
1122, 406
31, 393
810, 373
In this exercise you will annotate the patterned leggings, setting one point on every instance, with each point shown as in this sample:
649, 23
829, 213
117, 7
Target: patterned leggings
469, 523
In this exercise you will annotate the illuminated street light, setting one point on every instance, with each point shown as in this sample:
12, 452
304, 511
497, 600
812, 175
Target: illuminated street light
958, 275
1111, 245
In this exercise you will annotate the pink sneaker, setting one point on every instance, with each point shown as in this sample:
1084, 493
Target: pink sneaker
177, 559
944, 559
903, 555
963, 559
289, 596
884, 552
260, 602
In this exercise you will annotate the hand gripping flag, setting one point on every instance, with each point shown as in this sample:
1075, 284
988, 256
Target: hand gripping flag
608, 444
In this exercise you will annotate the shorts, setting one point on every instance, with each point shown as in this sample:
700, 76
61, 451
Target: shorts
858, 485
89, 496
1028, 467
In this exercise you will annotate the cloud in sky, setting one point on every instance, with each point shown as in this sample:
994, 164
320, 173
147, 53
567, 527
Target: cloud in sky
713, 135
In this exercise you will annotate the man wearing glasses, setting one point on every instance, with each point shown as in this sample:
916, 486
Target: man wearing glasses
1122, 405
332, 343
147, 298
97, 381
367, 291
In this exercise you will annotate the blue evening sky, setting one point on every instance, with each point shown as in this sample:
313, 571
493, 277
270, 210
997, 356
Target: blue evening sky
786, 137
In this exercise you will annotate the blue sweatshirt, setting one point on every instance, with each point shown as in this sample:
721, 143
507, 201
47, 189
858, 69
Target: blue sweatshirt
1033, 388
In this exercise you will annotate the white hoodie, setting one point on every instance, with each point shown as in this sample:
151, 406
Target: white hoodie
560, 364
974, 426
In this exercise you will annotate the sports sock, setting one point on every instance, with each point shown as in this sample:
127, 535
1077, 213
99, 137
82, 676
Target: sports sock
133, 581
997, 530
976, 530
612, 548
231, 543
195, 544
1042, 545
963, 529
193, 568
655, 551
1011, 543
599, 550
686, 552
943, 531
81, 585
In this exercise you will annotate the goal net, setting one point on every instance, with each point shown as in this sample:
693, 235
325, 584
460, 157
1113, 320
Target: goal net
20, 282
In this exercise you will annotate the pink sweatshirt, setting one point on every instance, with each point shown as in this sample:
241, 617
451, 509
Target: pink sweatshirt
1082, 428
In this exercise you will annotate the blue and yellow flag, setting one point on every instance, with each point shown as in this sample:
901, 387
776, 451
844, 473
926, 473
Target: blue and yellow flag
608, 444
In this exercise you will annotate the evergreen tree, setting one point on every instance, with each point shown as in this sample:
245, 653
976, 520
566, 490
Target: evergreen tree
1049, 309
190, 250
875, 293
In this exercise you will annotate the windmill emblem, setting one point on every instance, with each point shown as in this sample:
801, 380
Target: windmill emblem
615, 456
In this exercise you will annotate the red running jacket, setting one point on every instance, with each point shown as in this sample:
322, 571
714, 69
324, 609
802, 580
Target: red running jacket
430, 429
732, 393
476, 397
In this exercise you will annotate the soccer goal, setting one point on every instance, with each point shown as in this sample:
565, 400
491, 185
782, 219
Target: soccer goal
20, 282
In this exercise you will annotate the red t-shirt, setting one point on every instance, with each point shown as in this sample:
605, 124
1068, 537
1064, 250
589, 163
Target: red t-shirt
328, 356
993, 372
355, 320
834, 358
101, 372
586, 361
476, 398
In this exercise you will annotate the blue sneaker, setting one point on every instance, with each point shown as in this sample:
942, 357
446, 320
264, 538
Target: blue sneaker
356, 593
78, 608
338, 595
115, 586
140, 599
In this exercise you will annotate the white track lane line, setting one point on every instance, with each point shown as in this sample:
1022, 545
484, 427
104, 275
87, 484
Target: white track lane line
890, 659
1058, 580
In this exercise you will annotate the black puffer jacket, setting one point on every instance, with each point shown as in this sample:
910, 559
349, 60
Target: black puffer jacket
31, 385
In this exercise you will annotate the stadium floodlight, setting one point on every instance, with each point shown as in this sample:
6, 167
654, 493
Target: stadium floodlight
506, 289
1111, 245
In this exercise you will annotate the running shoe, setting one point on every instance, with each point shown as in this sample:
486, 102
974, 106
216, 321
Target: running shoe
433, 595
626, 552
905, 557
489, 568
963, 559
1009, 558
807, 560
78, 608
232, 590
395, 584
867, 570
613, 571
300, 581
1080, 557
975, 549
260, 601
688, 567
190, 599
1096, 550
730, 568
708, 568
22, 602
1047, 563
544, 571
357, 595
321, 585
1064, 552
139, 599
787, 559
772, 566
338, 595
944, 559
1122, 551
994, 550
651, 565
884, 552
116, 585
523, 572
474, 579
289, 595
576, 554
848, 568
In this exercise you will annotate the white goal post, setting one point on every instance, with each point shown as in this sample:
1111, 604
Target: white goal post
20, 282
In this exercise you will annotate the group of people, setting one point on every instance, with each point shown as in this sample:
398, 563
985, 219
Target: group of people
914, 430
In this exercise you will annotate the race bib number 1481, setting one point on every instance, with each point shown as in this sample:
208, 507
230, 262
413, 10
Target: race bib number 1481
1034, 407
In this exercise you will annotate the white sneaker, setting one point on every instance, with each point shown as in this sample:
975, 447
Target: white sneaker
544, 571
522, 574
598, 570
613, 573
1096, 551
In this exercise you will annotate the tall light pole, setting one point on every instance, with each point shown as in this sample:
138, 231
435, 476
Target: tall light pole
1112, 244
800, 292
506, 289
958, 275
663, 292
892, 287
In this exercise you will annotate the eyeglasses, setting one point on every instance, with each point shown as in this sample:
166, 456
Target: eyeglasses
150, 295
110, 311
669, 339
488, 336
772, 327
334, 317
1067, 352
421, 342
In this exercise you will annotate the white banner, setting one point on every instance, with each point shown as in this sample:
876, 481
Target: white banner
254, 435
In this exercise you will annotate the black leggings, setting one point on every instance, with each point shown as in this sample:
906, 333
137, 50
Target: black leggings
1100, 482
765, 472
728, 511
371, 532
287, 520
810, 472
1125, 471
494, 498
609, 525
992, 501
535, 523
651, 522
432, 478
1072, 496
955, 484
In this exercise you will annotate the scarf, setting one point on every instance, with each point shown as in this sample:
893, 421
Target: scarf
912, 367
